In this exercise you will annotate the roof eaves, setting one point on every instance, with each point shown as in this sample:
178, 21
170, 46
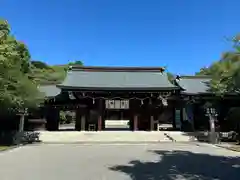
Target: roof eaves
117, 88
116, 69
194, 77
50, 91
197, 93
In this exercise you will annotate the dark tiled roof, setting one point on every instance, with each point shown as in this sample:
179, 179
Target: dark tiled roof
49, 90
194, 84
115, 78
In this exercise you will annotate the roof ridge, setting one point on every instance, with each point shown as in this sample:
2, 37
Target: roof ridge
116, 69
195, 77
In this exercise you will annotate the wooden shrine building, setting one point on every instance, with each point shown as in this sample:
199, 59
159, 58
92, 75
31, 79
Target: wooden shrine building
143, 95
195, 95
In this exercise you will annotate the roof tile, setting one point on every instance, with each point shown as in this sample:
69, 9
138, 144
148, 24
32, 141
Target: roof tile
195, 84
119, 78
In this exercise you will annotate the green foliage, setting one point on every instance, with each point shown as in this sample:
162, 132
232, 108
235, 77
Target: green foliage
45, 74
226, 72
67, 117
16, 88
76, 63
39, 65
62, 117
49, 75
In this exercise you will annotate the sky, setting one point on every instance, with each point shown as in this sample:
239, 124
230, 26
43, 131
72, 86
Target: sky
183, 35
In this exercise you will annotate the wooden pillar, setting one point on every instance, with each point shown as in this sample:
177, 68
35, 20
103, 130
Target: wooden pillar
134, 110
99, 122
83, 123
135, 122
52, 117
151, 123
78, 120
100, 114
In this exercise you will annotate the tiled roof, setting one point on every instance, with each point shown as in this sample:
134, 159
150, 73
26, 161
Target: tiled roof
194, 84
110, 78
49, 90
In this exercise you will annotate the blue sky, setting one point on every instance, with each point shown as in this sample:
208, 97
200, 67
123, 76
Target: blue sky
183, 35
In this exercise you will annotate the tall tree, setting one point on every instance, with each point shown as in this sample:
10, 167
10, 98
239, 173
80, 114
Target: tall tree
16, 89
226, 79
77, 62
226, 72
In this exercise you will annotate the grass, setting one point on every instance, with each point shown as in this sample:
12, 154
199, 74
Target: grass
3, 148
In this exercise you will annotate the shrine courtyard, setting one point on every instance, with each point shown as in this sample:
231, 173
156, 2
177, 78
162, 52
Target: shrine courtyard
120, 162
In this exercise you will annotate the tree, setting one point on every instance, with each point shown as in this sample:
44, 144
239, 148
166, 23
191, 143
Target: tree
40, 65
226, 77
45, 74
76, 63
226, 72
49, 75
16, 88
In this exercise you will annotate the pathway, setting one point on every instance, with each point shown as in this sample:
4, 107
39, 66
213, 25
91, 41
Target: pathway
112, 136
120, 162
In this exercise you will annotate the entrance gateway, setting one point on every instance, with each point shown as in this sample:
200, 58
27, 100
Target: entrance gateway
115, 115
104, 98
130, 98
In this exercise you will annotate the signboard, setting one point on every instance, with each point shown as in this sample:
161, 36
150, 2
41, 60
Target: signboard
117, 104
178, 118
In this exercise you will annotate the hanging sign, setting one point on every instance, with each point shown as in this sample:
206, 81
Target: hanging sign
117, 104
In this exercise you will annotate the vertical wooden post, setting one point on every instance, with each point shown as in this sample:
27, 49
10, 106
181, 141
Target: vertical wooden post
56, 117
78, 120
100, 114
151, 112
151, 123
99, 122
135, 110
83, 123
135, 122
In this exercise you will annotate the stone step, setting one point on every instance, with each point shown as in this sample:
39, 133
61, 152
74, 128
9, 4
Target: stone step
112, 136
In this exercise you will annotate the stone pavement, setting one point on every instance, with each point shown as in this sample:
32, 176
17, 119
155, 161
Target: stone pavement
163, 161
111, 136
230, 146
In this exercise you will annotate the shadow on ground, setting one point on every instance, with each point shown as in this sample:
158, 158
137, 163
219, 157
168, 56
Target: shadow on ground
183, 165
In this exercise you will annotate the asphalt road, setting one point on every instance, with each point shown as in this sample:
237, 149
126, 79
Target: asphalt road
119, 162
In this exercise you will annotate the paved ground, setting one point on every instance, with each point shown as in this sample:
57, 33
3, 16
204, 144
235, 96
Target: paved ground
119, 162
70, 126
111, 136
